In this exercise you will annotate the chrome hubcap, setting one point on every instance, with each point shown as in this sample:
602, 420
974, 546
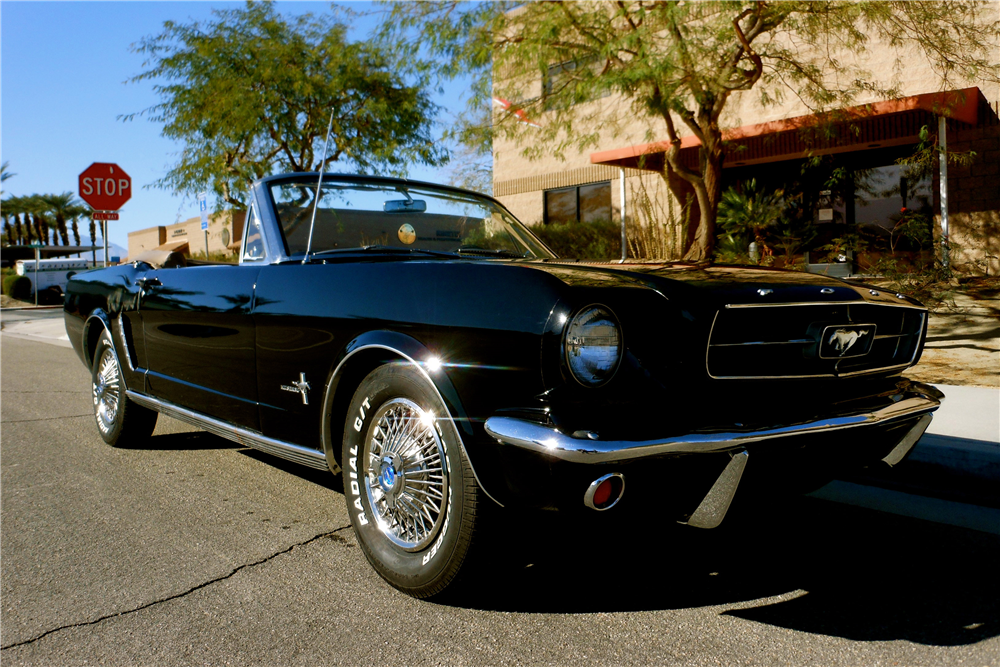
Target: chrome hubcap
106, 391
406, 478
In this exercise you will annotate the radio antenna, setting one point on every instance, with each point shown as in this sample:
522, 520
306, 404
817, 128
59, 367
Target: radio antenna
319, 184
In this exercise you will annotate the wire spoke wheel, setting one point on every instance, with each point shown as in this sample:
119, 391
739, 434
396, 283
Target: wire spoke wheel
107, 391
405, 474
411, 492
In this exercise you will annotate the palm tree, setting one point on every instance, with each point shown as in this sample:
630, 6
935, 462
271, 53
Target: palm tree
93, 238
15, 207
5, 173
62, 207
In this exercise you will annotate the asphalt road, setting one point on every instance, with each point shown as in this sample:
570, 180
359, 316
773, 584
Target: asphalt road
195, 551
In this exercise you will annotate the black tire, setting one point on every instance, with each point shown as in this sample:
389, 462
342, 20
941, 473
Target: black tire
387, 427
120, 421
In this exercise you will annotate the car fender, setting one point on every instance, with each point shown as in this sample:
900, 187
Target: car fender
98, 318
361, 356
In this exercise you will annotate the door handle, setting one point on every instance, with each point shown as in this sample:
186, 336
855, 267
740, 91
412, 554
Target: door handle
146, 283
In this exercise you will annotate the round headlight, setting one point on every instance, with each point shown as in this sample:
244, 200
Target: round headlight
593, 342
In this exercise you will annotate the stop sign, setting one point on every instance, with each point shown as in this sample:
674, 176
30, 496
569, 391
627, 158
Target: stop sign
105, 186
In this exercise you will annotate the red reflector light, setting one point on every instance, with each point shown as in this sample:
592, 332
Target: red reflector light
602, 493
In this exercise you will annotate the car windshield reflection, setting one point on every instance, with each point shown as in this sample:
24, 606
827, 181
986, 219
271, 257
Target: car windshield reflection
394, 217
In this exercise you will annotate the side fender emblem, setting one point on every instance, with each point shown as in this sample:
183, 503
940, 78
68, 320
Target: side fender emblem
300, 387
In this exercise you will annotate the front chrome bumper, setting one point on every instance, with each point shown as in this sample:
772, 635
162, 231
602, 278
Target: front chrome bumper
913, 400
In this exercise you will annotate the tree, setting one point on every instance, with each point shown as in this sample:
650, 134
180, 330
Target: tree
93, 239
12, 210
680, 63
5, 173
16, 207
251, 93
62, 207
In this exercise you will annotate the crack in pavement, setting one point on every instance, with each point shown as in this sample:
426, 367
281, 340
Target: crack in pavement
28, 391
42, 419
176, 596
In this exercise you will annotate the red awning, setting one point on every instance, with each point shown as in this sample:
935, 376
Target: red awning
906, 112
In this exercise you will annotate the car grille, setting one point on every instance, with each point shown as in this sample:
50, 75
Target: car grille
801, 341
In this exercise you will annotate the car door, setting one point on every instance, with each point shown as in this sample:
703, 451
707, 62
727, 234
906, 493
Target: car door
199, 339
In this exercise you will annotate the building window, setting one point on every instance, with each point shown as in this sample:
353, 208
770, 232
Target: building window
558, 84
580, 203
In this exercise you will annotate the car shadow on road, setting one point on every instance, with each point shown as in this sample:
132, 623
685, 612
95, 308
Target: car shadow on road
807, 565
803, 564
320, 477
183, 441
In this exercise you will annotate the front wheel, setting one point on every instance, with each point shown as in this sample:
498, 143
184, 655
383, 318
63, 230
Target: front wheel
410, 490
120, 421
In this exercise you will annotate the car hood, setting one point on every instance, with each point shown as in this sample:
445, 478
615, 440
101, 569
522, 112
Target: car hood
720, 284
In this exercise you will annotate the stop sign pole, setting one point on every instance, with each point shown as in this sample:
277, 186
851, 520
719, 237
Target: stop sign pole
106, 187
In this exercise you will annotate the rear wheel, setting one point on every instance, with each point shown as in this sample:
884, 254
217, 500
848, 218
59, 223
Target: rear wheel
120, 421
410, 490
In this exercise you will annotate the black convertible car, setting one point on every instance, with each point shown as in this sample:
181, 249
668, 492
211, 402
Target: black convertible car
421, 342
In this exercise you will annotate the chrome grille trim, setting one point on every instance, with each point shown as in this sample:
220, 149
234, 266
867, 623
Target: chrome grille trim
919, 332
733, 306
798, 341
286, 450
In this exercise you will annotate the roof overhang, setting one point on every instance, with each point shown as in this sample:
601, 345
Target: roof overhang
960, 105
173, 246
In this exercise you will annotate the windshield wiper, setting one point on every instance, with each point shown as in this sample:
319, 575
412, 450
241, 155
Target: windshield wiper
490, 252
385, 249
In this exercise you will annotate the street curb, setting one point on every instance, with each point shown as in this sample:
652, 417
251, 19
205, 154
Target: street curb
30, 308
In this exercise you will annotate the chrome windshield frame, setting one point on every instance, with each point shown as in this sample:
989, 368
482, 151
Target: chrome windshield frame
276, 243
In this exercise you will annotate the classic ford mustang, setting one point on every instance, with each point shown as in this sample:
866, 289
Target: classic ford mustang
421, 342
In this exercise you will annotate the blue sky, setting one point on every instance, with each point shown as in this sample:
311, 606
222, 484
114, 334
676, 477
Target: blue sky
63, 67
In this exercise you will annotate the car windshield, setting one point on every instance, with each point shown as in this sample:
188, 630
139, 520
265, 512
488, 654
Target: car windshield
398, 217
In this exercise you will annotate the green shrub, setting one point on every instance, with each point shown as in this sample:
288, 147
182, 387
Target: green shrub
582, 240
17, 287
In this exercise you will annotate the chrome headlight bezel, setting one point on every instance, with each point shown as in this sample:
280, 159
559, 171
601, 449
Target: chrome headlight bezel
571, 343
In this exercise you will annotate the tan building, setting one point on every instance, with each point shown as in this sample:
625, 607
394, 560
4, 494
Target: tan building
224, 232
771, 144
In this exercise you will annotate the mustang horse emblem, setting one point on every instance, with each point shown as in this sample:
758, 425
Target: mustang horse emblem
843, 340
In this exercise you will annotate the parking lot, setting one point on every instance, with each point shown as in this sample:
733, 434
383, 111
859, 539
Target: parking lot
195, 550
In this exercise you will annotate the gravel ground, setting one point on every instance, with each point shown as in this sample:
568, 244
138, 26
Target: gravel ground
963, 343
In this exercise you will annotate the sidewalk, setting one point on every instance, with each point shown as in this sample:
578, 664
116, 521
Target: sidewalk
44, 324
957, 459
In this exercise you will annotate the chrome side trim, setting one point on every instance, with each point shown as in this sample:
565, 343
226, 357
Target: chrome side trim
900, 451
547, 440
714, 506
825, 303
245, 437
336, 376
125, 347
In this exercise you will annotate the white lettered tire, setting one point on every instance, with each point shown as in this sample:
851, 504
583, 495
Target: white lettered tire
120, 421
410, 490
